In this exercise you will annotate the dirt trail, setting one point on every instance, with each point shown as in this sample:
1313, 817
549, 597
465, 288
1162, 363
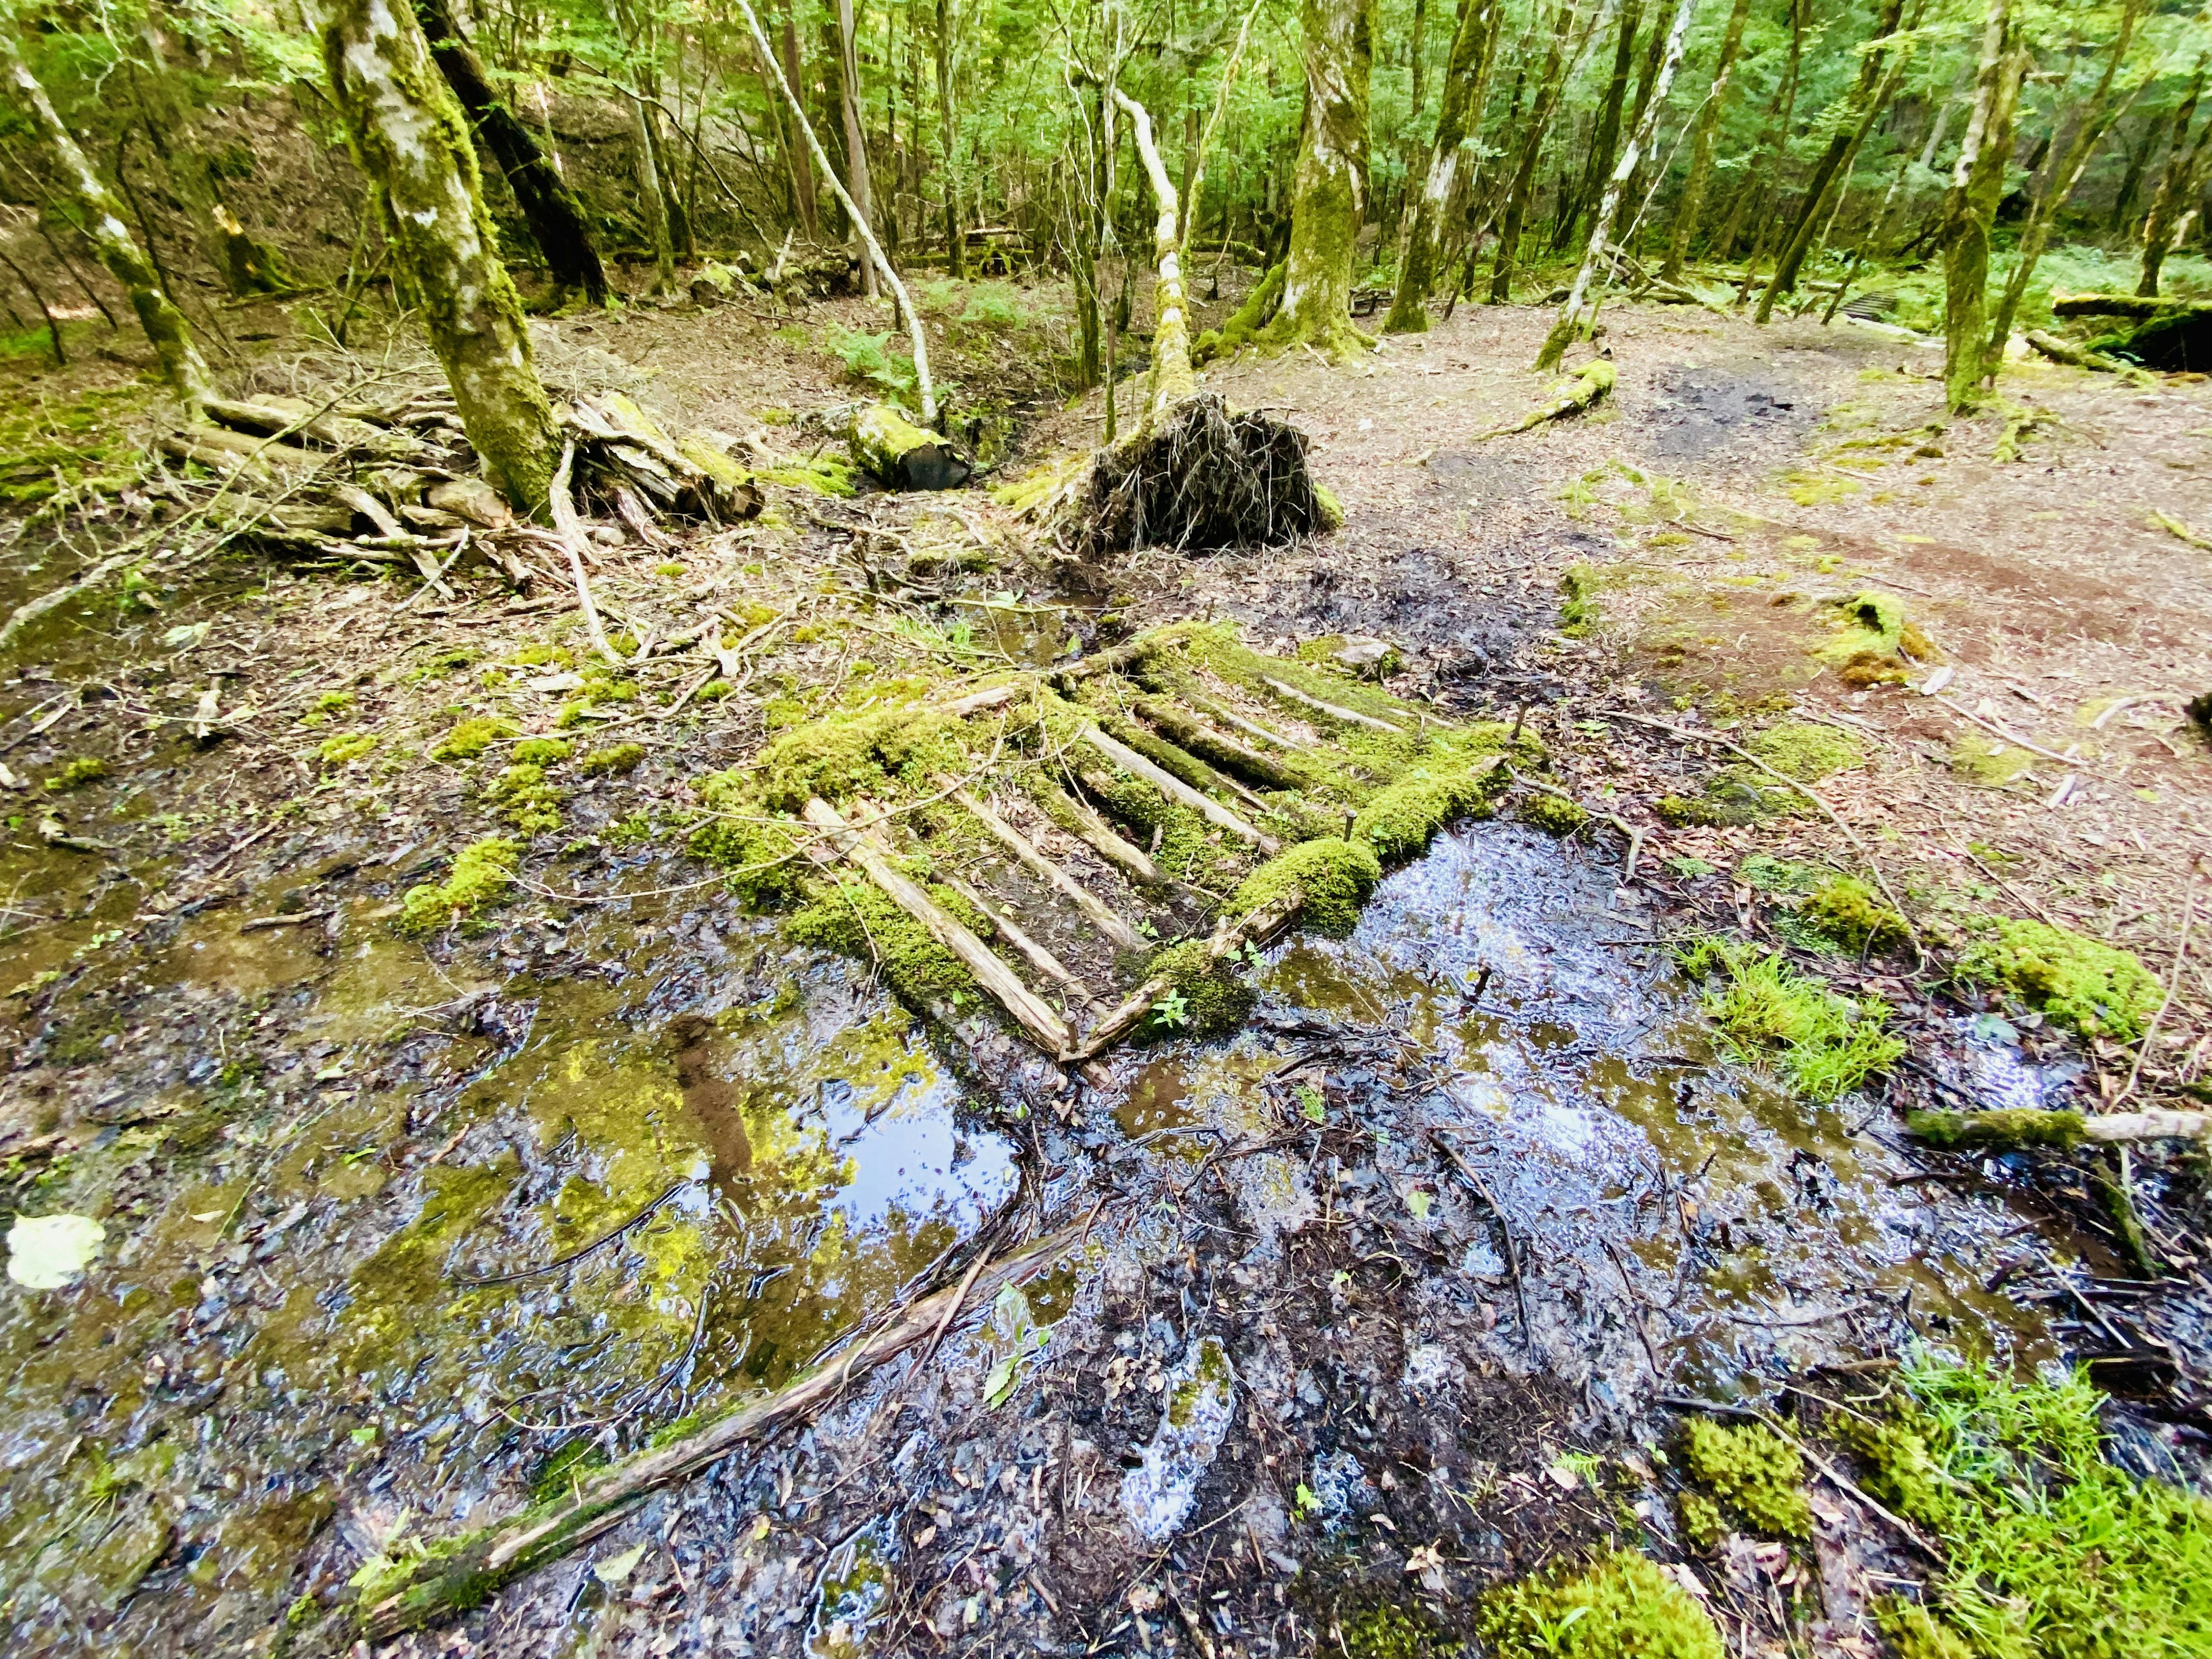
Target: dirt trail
1373, 1302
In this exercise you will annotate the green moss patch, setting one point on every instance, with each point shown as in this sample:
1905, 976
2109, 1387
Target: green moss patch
1849, 912
1991, 762
471, 738
2049, 1549
1554, 815
1823, 1044
1620, 1606
2088, 986
1205, 996
1755, 1475
84, 769
342, 748
526, 800
1401, 821
602, 763
1335, 876
542, 751
1805, 750
858, 920
2004, 1129
482, 875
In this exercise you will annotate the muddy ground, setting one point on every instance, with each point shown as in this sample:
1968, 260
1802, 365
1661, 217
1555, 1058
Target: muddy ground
1394, 1293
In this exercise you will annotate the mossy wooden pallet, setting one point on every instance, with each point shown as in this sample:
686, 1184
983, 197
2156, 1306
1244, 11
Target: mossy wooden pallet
1093, 850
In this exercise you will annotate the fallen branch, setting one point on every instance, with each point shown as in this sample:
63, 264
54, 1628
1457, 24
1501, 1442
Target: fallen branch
2175, 527
1635, 836
2059, 351
2010, 1128
1512, 1255
1595, 379
1349, 716
571, 530
462, 1574
1030, 951
1101, 838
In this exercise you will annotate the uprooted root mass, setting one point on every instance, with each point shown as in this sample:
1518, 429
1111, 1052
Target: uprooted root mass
1203, 480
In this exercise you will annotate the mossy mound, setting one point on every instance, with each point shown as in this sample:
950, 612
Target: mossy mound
603, 763
1752, 1472
1620, 1606
471, 738
858, 920
889, 750
84, 769
481, 876
1205, 996
2049, 1549
526, 800
1806, 750
2083, 984
1552, 815
1823, 1044
1849, 912
1335, 876
1399, 821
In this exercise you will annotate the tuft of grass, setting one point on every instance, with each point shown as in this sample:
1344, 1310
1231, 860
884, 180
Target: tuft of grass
2052, 1552
2083, 984
1823, 1045
1620, 1606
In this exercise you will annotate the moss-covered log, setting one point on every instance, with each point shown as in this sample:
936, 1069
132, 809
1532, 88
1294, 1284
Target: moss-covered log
1246, 321
2011, 1128
902, 455
411, 139
2176, 340
99, 215
1330, 191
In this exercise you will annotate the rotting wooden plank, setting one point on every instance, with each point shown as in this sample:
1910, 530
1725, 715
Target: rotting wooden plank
1176, 790
1101, 838
515, 1547
1209, 776
1350, 716
1223, 711
1031, 951
992, 697
1185, 731
1096, 910
1224, 941
1028, 1009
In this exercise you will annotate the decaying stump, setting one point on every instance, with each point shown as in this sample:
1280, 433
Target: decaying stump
894, 449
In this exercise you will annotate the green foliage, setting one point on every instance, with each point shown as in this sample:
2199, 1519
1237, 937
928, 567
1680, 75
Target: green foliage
1553, 815
481, 876
867, 357
1333, 876
471, 738
2089, 986
622, 758
342, 748
1824, 1044
1619, 1607
1204, 994
81, 771
2051, 1553
1752, 1472
1389, 1630
822, 475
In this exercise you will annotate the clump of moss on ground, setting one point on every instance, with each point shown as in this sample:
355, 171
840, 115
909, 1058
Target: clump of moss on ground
2049, 1549
856, 919
1207, 996
871, 753
481, 875
1620, 1606
622, 758
526, 800
1335, 876
1390, 1631
1876, 641
342, 748
471, 738
1824, 1044
1805, 750
2091, 988
1752, 1472
1849, 912
1554, 815
542, 751
1578, 607
1979, 759
84, 769
1398, 822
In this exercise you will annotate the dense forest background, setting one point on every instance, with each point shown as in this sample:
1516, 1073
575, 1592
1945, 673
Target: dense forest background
1841, 141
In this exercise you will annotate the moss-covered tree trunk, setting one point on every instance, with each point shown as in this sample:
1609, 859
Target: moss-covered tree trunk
1692, 200
2185, 166
1970, 207
1532, 144
859, 184
100, 217
1598, 164
410, 138
652, 203
1331, 187
555, 218
1460, 113
2091, 124
1577, 314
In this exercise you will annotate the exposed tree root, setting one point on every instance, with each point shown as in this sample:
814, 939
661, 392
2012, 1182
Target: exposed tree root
1591, 383
1202, 480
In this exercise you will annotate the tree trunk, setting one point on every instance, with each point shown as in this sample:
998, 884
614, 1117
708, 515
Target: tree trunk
409, 136
1172, 378
1330, 203
1753, 186
1524, 175
1470, 50
1869, 94
2088, 132
246, 263
2183, 163
652, 204
802, 162
1970, 206
1577, 314
555, 218
956, 242
1693, 202
859, 184
102, 222
1598, 164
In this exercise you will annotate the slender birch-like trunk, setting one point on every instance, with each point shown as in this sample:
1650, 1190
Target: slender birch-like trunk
1172, 378
1457, 118
955, 243
1532, 144
1693, 202
652, 203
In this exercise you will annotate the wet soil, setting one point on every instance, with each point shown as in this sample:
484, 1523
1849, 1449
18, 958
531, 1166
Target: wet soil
398, 1234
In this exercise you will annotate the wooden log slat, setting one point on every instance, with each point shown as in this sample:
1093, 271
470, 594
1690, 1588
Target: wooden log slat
1176, 790
1033, 952
1099, 915
1349, 716
1225, 940
1103, 839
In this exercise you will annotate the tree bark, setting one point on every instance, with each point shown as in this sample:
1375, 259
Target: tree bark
102, 222
410, 138
1693, 202
1598, 164
1971, 204
1576, 315
1524, 174
1417, 269
2088, 132
2176, 185
857, 181
555, 218
1867, 94
1172, 378
1331, 198
955, 243
652, 204
802, 160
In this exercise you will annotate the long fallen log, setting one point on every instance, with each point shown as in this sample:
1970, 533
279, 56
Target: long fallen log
2009, 1129
464, 1572
1096, 833
1026, 1008
1195, 736
1094, 909
1349, 716
2074, 356
1176, 790
2119, 305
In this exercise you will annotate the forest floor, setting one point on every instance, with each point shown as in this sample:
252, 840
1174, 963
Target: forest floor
1376, 1302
